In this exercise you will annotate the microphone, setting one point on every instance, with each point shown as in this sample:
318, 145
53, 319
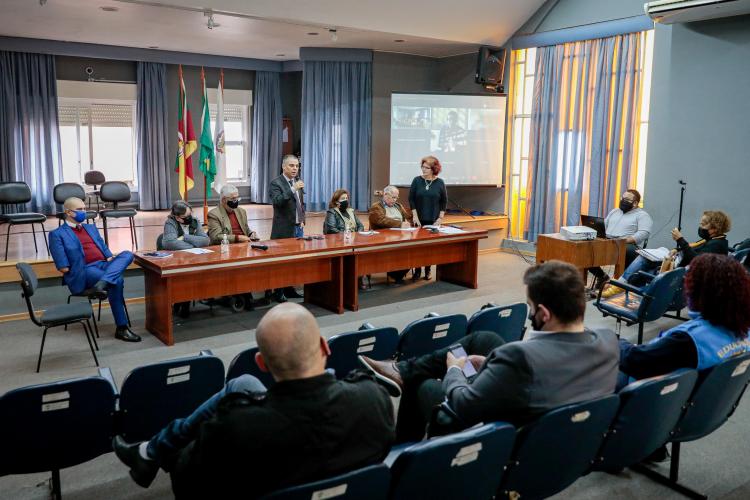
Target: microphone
683, 183
297, 179
259, 246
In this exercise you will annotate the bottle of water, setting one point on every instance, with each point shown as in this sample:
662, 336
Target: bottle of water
224, 244
347, 235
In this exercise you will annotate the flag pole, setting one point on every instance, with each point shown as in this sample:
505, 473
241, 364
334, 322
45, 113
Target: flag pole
205, 180
184, 120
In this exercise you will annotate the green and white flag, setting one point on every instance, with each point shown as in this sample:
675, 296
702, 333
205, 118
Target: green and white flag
207, 161
221, 168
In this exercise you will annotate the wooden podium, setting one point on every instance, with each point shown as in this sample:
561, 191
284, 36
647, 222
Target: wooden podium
582, 254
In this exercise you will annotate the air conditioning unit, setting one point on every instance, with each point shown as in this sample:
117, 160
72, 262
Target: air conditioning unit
685, 11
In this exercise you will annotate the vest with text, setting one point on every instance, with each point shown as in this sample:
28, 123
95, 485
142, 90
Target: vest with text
713, 344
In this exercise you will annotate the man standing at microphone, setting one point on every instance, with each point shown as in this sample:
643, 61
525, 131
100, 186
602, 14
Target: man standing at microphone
288, 199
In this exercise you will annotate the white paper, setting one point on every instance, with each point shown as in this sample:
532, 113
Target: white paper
654, 254
197, 250
404, 228
450, 230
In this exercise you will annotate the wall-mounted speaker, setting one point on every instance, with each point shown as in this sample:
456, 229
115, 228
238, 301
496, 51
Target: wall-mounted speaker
490, 68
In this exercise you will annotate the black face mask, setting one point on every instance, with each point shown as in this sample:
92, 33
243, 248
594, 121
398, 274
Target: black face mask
187, 220
704, 234
233, 203
535, 325
343, 205
626, 206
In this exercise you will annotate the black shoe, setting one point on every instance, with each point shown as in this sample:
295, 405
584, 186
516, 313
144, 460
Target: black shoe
124, 333
291, 293
98, 291
428, 274
249, 302
182, 310
416, 273
142, 471
279, 297
265, 301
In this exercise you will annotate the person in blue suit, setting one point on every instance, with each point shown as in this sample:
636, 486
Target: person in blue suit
88, 265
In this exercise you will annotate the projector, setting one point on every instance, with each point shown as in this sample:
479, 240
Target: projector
577, 233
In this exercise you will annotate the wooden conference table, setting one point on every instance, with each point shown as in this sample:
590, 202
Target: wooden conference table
327, 267
582, 254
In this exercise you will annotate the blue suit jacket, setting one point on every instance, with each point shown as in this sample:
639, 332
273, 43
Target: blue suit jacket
67, 251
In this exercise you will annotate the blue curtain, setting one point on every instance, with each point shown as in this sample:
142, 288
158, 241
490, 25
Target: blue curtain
154, 169
336, 131
585, 106
266, 145
29, 133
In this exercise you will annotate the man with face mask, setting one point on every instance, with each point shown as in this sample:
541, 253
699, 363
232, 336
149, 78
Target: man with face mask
558, 363
88, 266
627, 221
229, 218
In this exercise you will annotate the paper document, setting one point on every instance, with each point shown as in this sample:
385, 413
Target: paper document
404, 228
368, 233
654, 254
197, 250
157, 255
450, 230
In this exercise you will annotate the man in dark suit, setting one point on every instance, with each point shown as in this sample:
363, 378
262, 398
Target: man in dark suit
246, 441
288, 199
88, 266
559, 362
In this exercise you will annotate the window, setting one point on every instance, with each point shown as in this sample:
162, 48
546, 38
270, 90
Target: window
236, 133
522, 92
98, 135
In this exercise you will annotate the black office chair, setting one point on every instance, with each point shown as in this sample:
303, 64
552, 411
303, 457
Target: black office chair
52, 426
94, 178
18, 193
62, 315
62, 192
117, 192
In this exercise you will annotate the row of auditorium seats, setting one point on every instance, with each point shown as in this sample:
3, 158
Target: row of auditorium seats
15, 194
73, 421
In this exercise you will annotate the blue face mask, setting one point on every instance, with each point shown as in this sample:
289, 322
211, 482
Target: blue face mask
80, 215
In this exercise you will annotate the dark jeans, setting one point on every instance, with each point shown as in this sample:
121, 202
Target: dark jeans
111, 273
422, 388
165, 446
630, 256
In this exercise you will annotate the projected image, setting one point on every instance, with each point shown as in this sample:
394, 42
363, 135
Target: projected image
464, 132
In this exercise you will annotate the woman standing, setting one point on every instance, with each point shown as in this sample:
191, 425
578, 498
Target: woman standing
428, 199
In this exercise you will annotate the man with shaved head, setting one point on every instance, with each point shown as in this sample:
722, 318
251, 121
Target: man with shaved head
88, 266
247, 440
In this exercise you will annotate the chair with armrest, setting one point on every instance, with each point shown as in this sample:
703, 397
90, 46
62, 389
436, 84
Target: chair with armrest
641, 305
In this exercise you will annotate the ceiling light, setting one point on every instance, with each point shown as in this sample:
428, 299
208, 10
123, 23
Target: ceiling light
211, 24
153, 46
334, 35
109, 9
280, 55
399, 40
312, 33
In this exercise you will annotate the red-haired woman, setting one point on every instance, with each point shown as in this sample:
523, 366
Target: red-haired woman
428, 199
717, 289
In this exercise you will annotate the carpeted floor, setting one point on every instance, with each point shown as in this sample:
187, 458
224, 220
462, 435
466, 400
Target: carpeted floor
714, 465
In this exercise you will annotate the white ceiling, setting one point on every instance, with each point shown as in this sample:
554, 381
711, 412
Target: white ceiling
272, 29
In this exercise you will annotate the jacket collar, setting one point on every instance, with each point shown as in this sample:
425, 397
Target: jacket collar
303, 385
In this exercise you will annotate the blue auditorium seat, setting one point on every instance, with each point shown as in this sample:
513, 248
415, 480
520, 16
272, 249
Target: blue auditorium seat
430, 333
244, 364
507, 321
368, 483
375, 343
467, 464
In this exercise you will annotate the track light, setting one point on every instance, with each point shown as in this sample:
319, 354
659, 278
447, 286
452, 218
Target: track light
334, 35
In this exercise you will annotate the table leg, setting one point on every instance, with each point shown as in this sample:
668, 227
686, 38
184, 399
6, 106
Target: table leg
351, 288
462, 273
620, 264
159, 307
328, 294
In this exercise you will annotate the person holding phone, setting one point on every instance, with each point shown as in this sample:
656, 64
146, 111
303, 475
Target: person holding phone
558, 363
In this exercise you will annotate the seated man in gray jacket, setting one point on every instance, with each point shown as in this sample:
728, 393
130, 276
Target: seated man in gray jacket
181, 230
557, 363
